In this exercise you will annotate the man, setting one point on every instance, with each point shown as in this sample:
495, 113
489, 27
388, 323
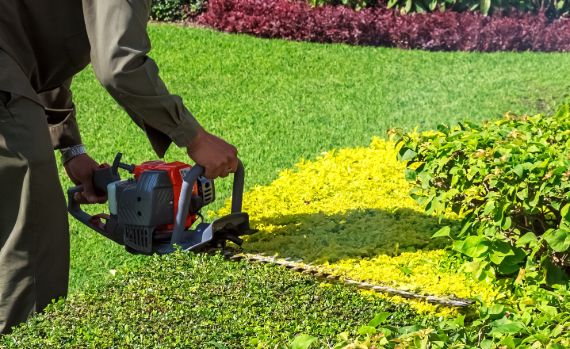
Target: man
43, 44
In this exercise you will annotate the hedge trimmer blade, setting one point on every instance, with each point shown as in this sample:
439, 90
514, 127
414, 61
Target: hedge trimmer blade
320, 273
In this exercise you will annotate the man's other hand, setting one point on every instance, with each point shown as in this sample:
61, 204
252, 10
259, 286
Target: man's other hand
80, 171
218, 157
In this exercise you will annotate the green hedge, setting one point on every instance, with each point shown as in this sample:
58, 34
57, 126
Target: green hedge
510, 180
199, 301
176, 10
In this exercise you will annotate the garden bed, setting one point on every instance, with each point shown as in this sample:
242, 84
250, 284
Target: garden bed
437, 31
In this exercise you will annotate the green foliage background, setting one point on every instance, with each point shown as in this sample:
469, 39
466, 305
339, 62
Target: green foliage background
551, 8
176, 10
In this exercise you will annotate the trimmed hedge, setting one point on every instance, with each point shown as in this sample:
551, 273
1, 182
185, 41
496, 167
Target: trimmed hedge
199, 301
382, 27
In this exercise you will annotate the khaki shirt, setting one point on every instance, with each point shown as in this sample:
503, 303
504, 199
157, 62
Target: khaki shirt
53, 40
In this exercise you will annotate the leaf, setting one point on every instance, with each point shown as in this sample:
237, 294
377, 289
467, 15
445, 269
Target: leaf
558, 239
486, 344
496, 309
410, 175
518, 170
500, 250
554, 275
512, 262
507, 222
302, 341
409, 329
549, 310
379, 318
445, 231
409, 4
529, 239
472, 246
364, 330
406, 154
406, 270
392, 3
485, 5
504, 326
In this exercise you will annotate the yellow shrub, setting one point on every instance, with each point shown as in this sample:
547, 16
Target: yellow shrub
350, 211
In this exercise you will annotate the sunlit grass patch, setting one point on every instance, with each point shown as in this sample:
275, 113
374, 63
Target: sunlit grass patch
350, 212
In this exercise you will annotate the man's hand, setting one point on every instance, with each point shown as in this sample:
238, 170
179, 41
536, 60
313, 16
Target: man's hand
80, 171
218, 157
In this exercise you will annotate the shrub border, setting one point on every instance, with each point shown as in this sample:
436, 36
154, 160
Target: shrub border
439, 31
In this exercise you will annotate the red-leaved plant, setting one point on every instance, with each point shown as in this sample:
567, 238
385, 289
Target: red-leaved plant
467, 31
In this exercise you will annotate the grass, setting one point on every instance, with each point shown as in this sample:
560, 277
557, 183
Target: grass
280, 101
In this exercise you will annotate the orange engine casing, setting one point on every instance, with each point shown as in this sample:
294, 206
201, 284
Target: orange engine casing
175, 171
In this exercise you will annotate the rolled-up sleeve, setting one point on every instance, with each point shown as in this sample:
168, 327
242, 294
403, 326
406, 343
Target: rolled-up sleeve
119, 55
60, 113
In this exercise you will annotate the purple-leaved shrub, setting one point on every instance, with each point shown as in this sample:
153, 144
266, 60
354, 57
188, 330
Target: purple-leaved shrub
438, 31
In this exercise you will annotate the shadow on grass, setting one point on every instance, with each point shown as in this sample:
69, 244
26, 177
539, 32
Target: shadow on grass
364, 233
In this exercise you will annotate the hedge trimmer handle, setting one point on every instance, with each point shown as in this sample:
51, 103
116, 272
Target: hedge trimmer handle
189, 179
75, 210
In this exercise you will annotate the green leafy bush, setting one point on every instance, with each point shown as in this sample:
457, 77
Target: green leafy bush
176, 10
167, 10
553, 8
199, 301
540, 320
509, 180
356, 4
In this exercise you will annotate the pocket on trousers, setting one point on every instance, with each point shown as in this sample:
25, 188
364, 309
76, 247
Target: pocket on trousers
5, 114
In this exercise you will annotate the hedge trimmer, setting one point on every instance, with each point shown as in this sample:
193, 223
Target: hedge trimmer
155, 211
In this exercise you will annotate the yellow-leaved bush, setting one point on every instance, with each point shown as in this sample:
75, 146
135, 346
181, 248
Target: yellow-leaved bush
349, 211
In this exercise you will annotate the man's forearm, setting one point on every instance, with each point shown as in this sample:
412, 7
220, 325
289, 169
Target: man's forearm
119, 55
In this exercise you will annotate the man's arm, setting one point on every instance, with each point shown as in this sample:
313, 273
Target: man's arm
64, 132
119, 47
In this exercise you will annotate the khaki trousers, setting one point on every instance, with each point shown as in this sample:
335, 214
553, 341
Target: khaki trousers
34, 232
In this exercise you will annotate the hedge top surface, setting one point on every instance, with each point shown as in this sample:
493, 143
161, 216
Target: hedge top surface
199, 301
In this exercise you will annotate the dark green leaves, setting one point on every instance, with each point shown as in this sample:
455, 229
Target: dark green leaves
558, 240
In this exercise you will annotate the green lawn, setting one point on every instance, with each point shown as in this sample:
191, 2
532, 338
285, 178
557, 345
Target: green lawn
281, 101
